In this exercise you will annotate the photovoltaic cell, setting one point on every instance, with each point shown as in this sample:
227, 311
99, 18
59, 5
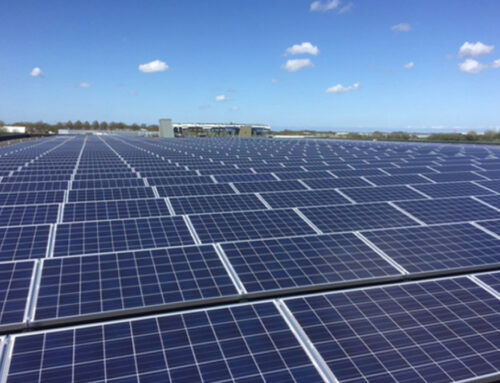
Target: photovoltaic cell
23, 242
434, 331
112, 283
304, 198
268, 186
330, 219
120, 235
491, 279
31, 198
410, 179
451, 177
194, 190
452, 189
493, 200
107, 184
440, 249
326, 183
28, 215
493, 185
493, 226
120, 209
83, 195
449, 210
224, 227
288, 263
32, 186
15, 281
383, 193
212, 204
246, 343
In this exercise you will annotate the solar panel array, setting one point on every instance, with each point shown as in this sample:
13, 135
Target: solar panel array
126, 259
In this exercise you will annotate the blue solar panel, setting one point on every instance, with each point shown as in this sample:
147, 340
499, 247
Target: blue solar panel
382, 193
32, 186
449, 210
452, 177
194, 190
120, 235
331, 219
303, 175
220, 203
28, 215
435, 331
15, 282
410, 170
442, 249
258, 187
325, 183
23, 242
31, 198
452, 189
491, 174
114, 283
410, 179
247, 343
166, 181
493, 185
311, 261
492, 280
304, 198
108, 183
493, 226
224, 227
493, 200
120, 209
20, 178
245, 177
83, 195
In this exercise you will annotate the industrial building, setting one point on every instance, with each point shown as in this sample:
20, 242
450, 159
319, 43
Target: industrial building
197, 129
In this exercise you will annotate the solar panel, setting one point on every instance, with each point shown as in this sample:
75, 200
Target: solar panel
358, 172
304, 198
492, 280
310, 261
83, 195
303, 175
120, 235
493, 226
15, 282
245, 177
245, 343
491, 174
451, 177
324, 183
260, 187
449, 210
452, 189
194, 190
442, 249
220, 203
493, 185
28, 215
409, 179
108, 183
331, 219
31, 198
410, 170
23, 242
180, 180
433, 331
32, 186
381, 193
234, 226
120, 209
120, 282
493, 200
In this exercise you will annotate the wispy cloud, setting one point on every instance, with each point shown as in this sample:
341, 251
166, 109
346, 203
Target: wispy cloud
324, 6
234, 109
36, 72
83, 85
297, 64
402, 27
410, 65
132, 93
339, 88
221, 98
154, 67
476, 49
302, 49
496, 64
346, 8
275, 80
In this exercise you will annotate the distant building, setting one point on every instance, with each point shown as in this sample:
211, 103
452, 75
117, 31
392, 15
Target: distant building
220, 129
13, 129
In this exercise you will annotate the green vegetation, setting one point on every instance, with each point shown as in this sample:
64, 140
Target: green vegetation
41, 127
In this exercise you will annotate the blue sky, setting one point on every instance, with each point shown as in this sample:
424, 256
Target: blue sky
67, 60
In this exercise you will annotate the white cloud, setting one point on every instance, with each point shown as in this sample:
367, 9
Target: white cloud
339, 88
324, 6
475, 49
472, 66
221, 98
235, 109
153, 67
402, 27
302, 49
275, 80
36, 72
496, 64
346, 8
297, 64
84, 85
410, 65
